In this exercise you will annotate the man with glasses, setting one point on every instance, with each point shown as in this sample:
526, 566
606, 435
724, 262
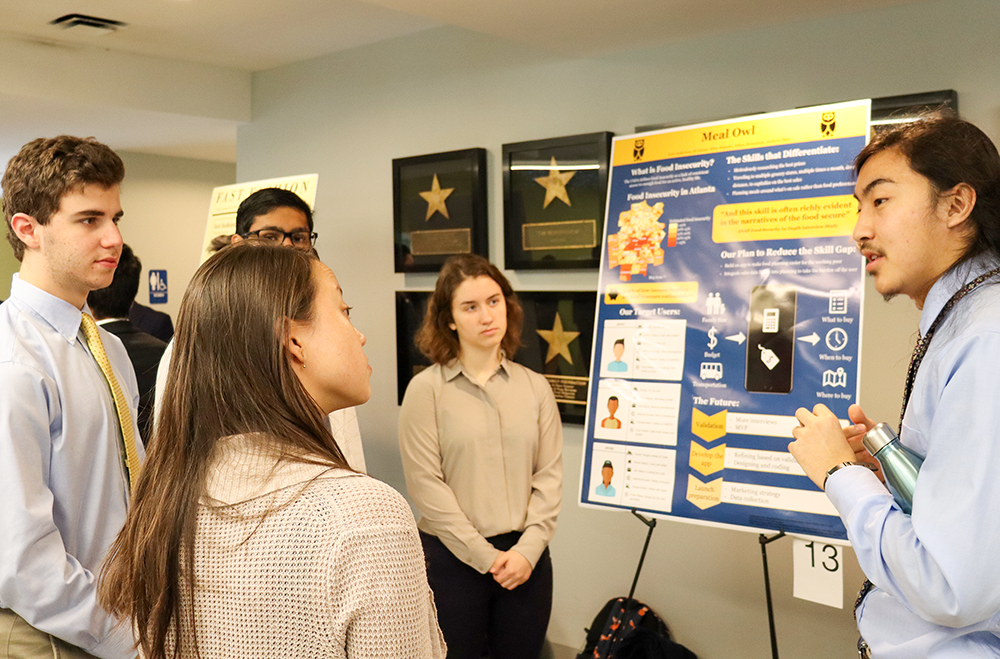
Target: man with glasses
277, 216
282, 217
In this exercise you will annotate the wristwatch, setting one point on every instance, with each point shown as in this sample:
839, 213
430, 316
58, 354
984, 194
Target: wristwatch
835, 468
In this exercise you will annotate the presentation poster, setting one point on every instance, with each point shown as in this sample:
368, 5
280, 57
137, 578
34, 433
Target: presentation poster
730, 295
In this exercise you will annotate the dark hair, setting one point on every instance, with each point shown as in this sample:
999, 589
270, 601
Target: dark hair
947, 151
116, 300
266, 200
607, 463
620, 342
216, 387
435, 338
611, 398
46, 169
219, 242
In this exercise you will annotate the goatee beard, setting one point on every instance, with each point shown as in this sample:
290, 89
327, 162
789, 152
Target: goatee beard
885, 296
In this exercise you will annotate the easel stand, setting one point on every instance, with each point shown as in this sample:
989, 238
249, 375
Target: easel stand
650, 524
764, 542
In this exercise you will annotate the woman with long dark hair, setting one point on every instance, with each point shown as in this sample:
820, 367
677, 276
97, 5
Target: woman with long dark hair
481, 442
248, 534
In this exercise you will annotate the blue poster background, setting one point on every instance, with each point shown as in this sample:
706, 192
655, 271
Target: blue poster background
682, 364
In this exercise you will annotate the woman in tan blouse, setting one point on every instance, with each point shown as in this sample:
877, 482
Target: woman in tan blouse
481, 442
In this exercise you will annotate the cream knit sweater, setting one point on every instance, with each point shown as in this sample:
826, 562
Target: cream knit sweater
335, 569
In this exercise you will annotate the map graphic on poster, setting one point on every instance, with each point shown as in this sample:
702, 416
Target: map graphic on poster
730, 295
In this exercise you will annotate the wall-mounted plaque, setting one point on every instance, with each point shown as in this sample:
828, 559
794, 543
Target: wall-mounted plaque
890, 110
554, 193
556, 341
410, 309
439, 208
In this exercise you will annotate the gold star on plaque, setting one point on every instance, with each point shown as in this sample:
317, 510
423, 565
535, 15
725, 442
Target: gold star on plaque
559, 341
435, 199
555, 184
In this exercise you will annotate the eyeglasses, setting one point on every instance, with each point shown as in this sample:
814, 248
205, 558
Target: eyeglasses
300, 239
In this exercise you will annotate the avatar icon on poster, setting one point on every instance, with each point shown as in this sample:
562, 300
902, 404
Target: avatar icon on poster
611, 421
605, 488
619, 350
617, 365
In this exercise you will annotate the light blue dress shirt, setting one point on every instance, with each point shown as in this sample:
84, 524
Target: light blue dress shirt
937, 589
63, 485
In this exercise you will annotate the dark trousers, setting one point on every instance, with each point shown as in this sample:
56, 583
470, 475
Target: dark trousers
477, 615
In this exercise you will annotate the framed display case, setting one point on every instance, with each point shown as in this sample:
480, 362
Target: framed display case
891, 110
554, 193
556, 341
410, 309
439, 208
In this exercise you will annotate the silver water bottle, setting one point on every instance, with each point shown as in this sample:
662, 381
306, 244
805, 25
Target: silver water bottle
899, 463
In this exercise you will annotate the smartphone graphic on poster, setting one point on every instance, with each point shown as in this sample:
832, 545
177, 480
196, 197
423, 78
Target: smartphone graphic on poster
771, 339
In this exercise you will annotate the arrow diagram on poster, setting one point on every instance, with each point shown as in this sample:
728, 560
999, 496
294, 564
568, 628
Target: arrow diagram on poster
740, 338
812, 339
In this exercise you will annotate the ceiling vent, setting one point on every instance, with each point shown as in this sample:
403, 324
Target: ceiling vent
84, 23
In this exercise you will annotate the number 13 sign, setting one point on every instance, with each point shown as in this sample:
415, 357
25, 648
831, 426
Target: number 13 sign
818, 572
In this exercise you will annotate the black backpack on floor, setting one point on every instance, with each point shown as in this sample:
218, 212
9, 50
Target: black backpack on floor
630, 632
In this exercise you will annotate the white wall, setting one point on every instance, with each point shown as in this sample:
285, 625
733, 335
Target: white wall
146, 104
347, 115
166, 203
99, 76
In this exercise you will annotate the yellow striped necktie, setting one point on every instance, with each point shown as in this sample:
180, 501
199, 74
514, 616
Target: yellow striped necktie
121, 405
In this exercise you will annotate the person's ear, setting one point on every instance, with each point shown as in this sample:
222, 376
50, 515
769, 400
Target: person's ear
295, 334
25, 227
236, 238
960, 201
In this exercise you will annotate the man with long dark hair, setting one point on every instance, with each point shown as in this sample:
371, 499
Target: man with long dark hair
929, 228
69, 452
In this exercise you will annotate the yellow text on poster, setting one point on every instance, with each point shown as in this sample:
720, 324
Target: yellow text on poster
704, 495
820, 217
828, 122
707, 461
708, 427
674, 292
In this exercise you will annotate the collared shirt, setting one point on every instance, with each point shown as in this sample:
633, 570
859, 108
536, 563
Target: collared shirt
343, 424
937, 593
483, 460
63, 484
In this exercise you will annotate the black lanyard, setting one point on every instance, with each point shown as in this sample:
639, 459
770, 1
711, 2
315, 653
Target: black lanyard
924, 341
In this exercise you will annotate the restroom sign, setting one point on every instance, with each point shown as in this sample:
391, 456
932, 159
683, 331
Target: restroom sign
157, 286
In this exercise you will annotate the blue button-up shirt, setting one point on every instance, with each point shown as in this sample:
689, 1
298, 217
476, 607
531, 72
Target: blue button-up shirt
937, 587
63, 485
